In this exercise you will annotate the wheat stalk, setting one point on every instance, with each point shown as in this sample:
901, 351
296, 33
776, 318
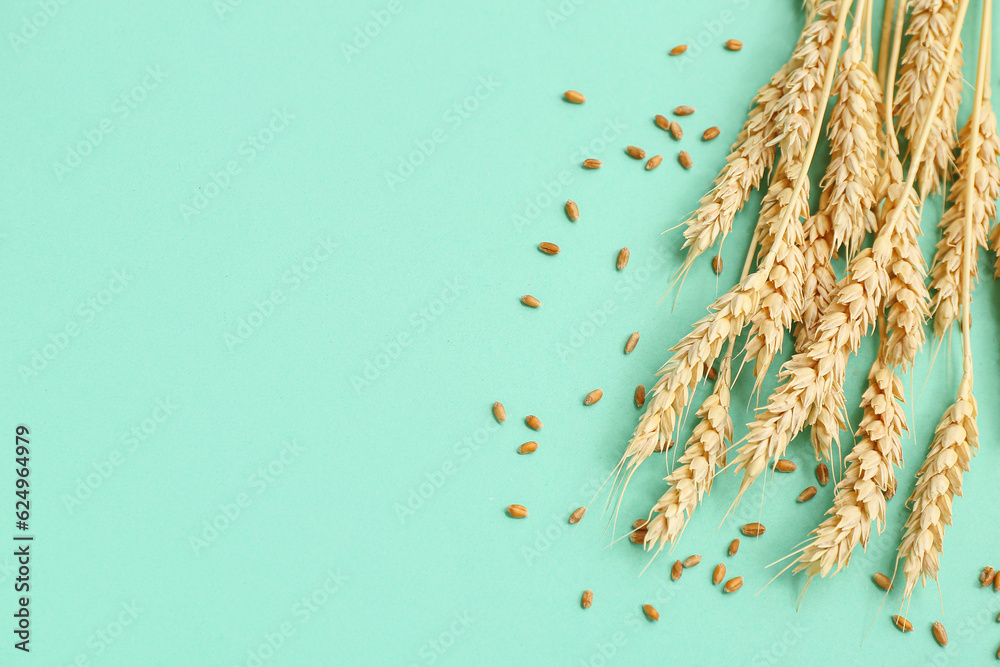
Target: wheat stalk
947, 265
869, 480
692, 479
850, 178
925, 60
956, 438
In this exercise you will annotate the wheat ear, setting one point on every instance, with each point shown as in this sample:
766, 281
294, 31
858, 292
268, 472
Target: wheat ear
924, 61
750, 157
938, 482
704, 453
869, 480
947, 265
849, 182
780, 296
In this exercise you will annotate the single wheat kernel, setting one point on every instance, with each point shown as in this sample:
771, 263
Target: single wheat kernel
528, 447
533, 422
640, 396
499, 412
587, 599
549, 248
685, 159
996, 583
593, 397
638, 536
719, 574
640, 524
986, 576
591, 163
677, 570
711, 373
717, 263
517, 511
822, 474
940, 634
654, 162
807, 494
710, 133
577, 514
679, 49
530, 301
574, 96
683, 110
650, 612
902, 623
691, 561
734, 546
734, 44
630, 344
572, 210
753, 529
636, 152
882, 581
676, 131
623, 255
662, 122
734, 584
784, 465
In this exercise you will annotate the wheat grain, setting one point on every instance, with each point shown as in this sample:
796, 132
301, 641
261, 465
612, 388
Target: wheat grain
939, 480
946, 267
923, 63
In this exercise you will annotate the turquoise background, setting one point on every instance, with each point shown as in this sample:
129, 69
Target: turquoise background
258, 368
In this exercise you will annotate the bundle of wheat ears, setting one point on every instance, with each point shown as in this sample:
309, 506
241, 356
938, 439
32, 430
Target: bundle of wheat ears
872, 189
